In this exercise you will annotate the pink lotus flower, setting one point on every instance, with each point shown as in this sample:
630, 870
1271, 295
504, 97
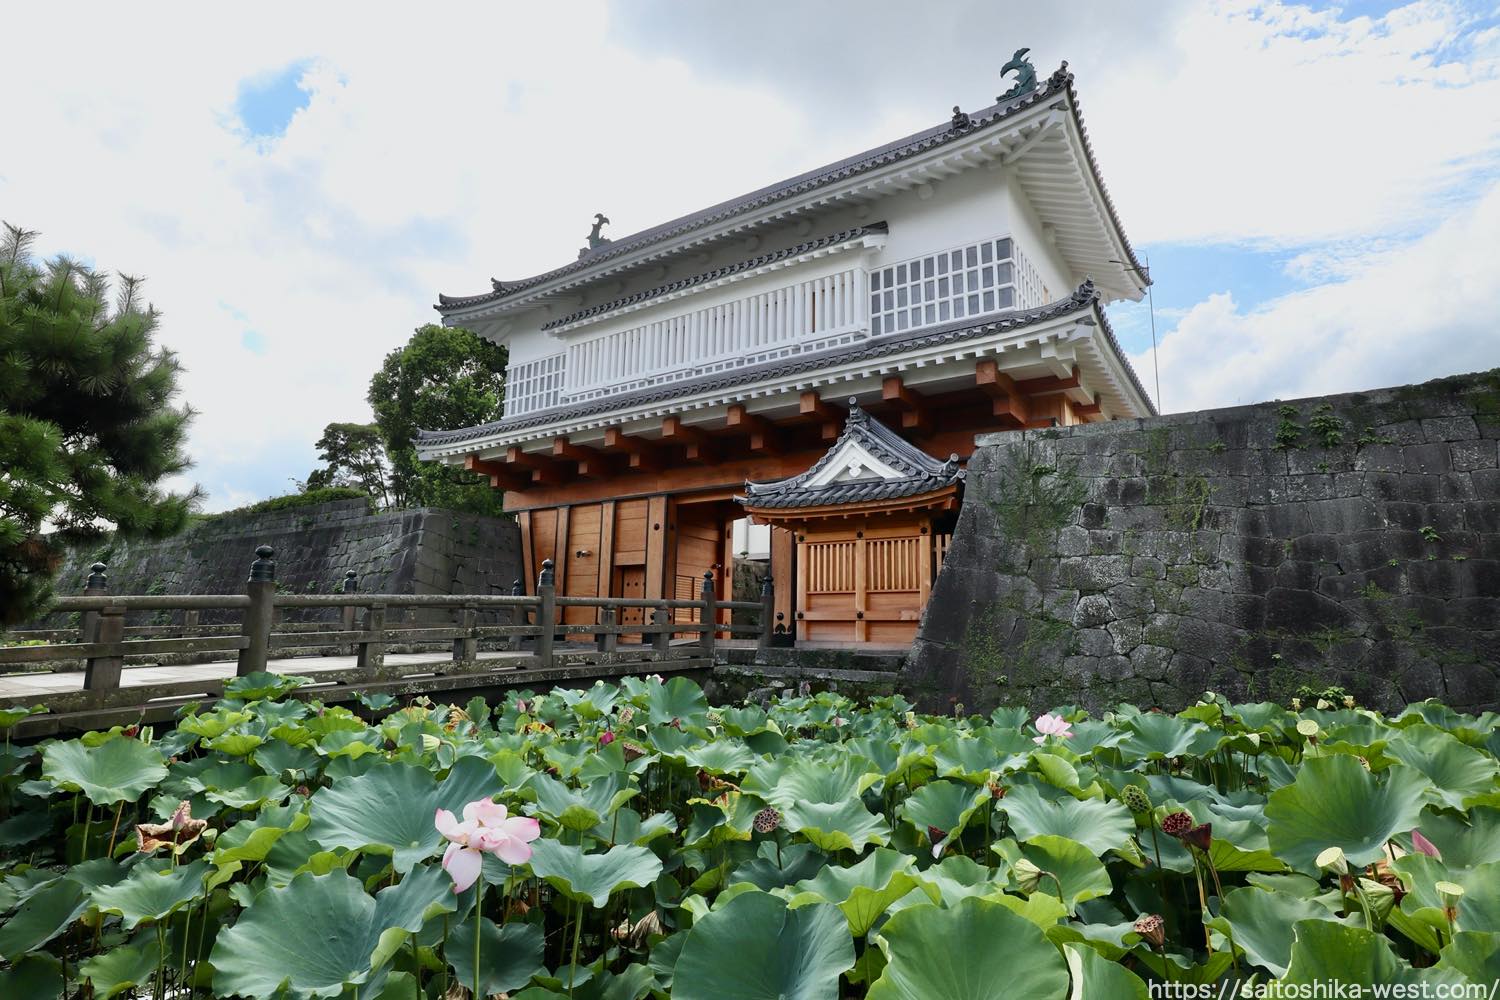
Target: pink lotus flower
1052, 725
606, 738
1422, 845
486, 829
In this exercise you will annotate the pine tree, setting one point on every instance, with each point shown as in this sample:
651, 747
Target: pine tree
87, 426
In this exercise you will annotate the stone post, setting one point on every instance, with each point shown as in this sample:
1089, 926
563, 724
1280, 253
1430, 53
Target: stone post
546, 614
102, 673
661, 641
97, 586
607, 640
767, 612
710, 619
371, 655
467, 646
257, 623
517, 613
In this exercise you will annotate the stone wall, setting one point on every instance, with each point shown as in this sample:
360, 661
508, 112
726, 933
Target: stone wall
1260, 552
422, 551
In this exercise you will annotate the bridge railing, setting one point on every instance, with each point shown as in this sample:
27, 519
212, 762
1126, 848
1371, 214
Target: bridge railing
538, 633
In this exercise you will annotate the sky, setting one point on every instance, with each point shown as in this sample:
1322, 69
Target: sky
1316, 187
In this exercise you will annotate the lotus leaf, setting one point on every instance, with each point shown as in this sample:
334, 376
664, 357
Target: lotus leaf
1099, 825
1337, 803
1326, 953
508, 956
1261, 923
1097, 978
756, 948
122, 968
120, 775
1457, 772
593, 877
389, 809
148, 894
863, 891
950, 953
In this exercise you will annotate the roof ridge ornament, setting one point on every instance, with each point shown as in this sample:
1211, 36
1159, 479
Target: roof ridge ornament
961, 120
1025, 76
595, 240
857, 413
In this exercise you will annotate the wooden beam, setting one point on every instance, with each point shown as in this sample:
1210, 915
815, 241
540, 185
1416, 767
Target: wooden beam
1093, 409
763, 435
1009, 403
501, 476
590, 462
642, 452
544, 471
698, 446
1049, 383
811, 406
913, 408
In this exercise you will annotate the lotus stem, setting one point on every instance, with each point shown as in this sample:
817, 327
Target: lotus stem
573, 965
478, 926
83, 848
115, 829
1057, 883
445, 964
1208, 943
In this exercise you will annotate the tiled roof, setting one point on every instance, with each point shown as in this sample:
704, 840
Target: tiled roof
920, 472
1086, 297
749, 264
955, 129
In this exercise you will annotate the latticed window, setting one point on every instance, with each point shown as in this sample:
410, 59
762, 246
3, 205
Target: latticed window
954, 284
534, 385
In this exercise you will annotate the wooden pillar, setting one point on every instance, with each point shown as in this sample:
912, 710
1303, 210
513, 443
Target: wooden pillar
606, 549
560, 549
861, 586
658, 551
784, 577
528, 557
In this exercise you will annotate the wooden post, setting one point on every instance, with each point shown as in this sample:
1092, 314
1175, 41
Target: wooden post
467, 647
767, 611
517, 612
607, 641
546, 614
102, 673
348, 616
661, 641
371, 655
710, 619
257, 624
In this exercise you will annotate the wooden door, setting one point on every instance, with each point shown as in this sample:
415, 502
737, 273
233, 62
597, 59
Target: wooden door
864, 583
580, 557
700, 549
630, 581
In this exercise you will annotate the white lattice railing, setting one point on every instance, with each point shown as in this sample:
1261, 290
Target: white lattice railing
811, 315
534, 385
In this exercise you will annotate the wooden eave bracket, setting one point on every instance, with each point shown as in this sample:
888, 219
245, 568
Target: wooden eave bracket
502, 477
914, 413
1007, 401
763, 436
643, 453
812, 408
698, 446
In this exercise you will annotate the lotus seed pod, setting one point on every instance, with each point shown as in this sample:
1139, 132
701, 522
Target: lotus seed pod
1324, 704
1176, 824
1451, 893
1152, 929
1308, 728
1296, 704
767, 820
1332, 859
430, 742
1028, 876
1381, 897
1348, 701
1135, 799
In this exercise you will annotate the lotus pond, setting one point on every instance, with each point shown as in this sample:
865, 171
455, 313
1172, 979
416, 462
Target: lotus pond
651, 845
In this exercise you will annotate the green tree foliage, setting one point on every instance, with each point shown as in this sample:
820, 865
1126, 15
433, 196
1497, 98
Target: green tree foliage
354, 456
443, 378
87, 426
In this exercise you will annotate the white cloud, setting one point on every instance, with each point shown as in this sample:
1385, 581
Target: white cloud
445, 143
1395, 318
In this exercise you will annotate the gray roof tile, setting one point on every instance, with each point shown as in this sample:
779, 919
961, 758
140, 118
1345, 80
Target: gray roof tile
1059, 82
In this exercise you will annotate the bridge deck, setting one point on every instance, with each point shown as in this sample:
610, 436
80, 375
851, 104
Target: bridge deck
20, 687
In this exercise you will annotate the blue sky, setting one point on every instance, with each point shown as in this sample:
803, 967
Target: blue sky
1315, 185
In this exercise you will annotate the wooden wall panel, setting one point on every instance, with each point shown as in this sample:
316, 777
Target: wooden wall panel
631, 530
658, 532
580, 556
